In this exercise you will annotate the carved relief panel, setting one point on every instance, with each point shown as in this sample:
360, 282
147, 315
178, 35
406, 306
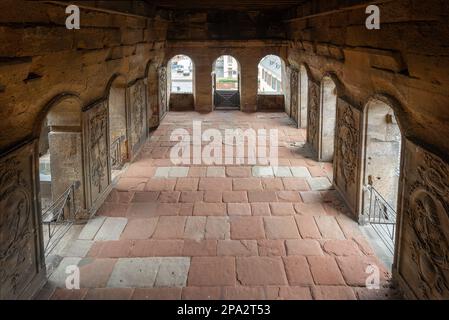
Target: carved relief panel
313, 116
163, 100
97, 149
20, 249
347, 152
423, 255
138, 114
294, 94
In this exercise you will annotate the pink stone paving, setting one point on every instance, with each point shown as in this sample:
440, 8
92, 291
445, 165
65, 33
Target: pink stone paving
224, 233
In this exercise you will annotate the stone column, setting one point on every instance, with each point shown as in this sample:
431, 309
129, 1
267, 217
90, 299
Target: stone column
286, 76
203, 86
248, 84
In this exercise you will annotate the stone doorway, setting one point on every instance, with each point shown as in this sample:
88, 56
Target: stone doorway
226, 83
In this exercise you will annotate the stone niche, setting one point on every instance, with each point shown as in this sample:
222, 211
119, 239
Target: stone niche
347, 153
422, 260
97, 149
137, 115
313, 121
21, 258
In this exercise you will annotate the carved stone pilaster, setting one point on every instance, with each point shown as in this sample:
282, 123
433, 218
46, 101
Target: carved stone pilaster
97, 150
20, 249
163, 100
138, 115
347, 152
423, 256
294, 94
313, 115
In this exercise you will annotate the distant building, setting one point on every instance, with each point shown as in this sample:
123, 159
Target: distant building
270, 75
226, 67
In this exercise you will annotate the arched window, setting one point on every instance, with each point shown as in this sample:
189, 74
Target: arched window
270, 75
226, 82
328, 117
181, 73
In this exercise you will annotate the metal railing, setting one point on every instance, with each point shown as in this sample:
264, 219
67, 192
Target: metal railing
223, 98
59, 217
381, 217
116, 154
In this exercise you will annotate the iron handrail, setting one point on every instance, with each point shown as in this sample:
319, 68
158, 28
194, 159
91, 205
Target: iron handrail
116, 151
382, 217
59, 217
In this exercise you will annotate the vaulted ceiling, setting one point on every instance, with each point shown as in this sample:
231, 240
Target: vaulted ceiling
247, 5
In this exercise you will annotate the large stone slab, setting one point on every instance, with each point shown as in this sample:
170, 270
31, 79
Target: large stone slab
173, 272
134, 273
91, 228
111, 229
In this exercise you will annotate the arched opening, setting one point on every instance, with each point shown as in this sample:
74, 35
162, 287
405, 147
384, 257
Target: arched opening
303, 96
327, 120
118, 126
181, 83
271, 83
380, 178
226, 83
61, 176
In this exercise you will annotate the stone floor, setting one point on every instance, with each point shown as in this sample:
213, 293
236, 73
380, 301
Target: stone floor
222, 231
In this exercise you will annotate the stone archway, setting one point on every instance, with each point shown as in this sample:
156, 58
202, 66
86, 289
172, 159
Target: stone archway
61, 172
381, 162
60, 151
381, 150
